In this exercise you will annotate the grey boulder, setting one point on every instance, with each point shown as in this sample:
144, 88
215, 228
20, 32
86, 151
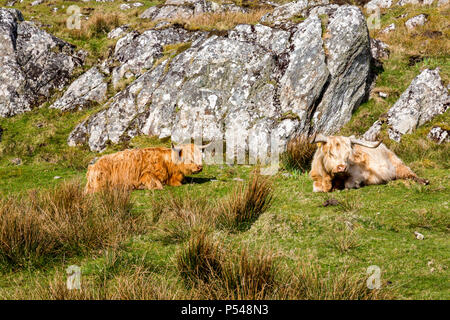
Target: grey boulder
421, 2
281, 16
375, 4
33, 64
439, 135
348, 62
88, 88
174, 9
254, 83
135, 53
118, 32
416, 21
379, 49
425, 98
388, 29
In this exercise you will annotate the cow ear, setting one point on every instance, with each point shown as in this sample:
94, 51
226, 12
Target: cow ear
319, 139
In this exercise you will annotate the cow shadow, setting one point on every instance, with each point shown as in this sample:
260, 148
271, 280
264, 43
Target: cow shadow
197, 180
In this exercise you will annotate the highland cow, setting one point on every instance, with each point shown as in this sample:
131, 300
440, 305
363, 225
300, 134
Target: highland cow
148, 168
347, 162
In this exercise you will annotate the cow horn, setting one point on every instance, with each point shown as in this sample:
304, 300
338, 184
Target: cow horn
205, 146
368, 144
320, 138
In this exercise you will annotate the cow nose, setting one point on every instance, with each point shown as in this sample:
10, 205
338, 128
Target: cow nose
341, 168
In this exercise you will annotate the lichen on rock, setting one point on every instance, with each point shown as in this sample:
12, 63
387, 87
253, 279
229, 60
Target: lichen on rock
34, 63
425, 98
236, 86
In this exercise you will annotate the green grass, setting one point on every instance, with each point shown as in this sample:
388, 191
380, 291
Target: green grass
373, 225
297, 227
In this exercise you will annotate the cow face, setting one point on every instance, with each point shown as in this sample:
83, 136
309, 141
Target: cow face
188, 157
337, 152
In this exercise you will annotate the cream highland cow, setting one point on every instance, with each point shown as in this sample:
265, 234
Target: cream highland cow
346, 162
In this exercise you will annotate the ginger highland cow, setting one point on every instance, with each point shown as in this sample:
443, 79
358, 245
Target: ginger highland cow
148, 168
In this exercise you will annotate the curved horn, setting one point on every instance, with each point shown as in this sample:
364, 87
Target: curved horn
205, 146
320, 138
368, 144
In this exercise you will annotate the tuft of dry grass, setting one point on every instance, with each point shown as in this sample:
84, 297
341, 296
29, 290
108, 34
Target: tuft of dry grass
63, 221
349, 203
418, 40
307, 282
179, 216
344, 240
258, 276
138, 285
246, 204
215, 274
98, 25
251, 278
57, 290
221, 21
299, 154
200, 260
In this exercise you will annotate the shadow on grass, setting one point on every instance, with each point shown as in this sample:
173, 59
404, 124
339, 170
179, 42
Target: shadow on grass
198, 180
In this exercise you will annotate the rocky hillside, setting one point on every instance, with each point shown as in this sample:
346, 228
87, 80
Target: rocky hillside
299, 67
138, 73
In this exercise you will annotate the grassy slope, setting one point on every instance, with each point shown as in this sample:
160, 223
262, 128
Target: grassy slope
383, 218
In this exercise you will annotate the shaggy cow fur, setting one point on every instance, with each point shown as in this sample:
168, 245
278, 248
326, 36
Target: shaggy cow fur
345, 162
149, 168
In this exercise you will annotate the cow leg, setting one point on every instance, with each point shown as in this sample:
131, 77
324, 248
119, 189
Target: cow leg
150, 182
176, 180
317, 181
317, 186
323, 184
327, 184
404, 172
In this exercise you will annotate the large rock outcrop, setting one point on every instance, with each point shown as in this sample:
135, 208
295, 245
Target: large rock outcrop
91, 87
252, 83
425, 98
33, 64
174, 9
283, 15
135, 53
